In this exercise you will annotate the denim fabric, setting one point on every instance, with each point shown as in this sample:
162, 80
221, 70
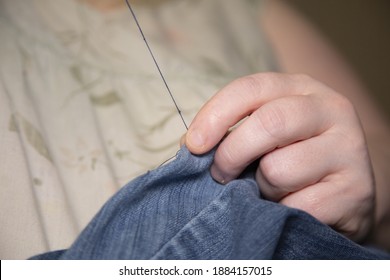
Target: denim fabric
179, 212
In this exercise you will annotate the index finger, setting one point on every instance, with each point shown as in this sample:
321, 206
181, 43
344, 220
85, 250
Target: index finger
238, 100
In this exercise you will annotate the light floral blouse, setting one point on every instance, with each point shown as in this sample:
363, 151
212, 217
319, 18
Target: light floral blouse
83, 109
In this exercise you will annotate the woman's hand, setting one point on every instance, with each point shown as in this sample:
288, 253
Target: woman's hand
312, 149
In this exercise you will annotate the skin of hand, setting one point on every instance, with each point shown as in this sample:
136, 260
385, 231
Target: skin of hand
312, 150
301, 48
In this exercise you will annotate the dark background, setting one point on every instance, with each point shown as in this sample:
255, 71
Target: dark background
360, 29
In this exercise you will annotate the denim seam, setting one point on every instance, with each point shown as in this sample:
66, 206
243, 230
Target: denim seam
190, 222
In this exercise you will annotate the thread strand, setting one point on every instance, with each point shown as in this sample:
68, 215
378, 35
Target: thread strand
155, 63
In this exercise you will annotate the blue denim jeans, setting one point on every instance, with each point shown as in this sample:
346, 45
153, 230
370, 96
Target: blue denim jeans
178, 211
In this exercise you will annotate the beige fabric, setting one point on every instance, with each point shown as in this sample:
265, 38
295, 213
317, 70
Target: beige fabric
83, 110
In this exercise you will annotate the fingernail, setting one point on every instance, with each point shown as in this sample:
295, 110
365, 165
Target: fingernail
195, 138
217, 176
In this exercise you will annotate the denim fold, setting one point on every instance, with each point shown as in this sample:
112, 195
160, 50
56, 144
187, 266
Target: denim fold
177, 211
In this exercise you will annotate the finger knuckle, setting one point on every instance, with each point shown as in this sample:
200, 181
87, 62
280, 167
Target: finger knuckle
343, 104
316, 206
273, 120
352, 226
272, 171
246, 84
256, 83
363, 192
303, 78
227, 156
